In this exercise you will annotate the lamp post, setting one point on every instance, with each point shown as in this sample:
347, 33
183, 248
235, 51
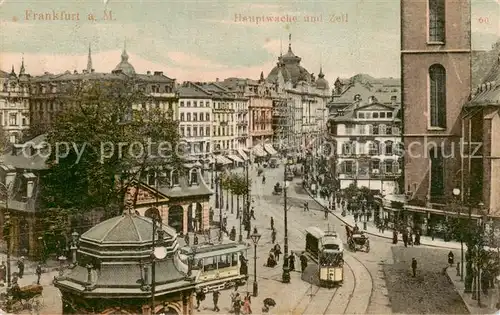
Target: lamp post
255, 238
158, 253
286, 271
456, 194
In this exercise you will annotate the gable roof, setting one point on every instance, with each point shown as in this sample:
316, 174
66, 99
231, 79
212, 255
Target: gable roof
189, 89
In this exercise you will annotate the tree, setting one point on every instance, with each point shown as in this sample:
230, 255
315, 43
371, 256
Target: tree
107, 138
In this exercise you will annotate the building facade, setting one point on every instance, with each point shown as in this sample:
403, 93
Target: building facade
48, 91
14, 103
436, 80
195, 119
306, 96
368, 145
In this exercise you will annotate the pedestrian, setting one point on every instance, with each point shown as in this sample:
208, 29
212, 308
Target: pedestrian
277, 251
38, 272
326, 213
272, 223
410, 238
195, 240
20, 266
200, 297
291, 261
355, 217
414, 266
232, 234
186, 239
394, 236
405, 238
246, 305
3, 273
252, 213
417, 238
273, 236
303, 262
215, 296
451, 258
237, 304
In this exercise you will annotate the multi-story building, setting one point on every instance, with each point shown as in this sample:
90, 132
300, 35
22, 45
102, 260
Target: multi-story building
260, 95
224, 138
14, 103
368, 146
195, 118
436, 82
306, 95
48, 91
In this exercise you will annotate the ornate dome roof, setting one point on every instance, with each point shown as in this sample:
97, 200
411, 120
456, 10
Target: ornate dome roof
290, 68
128, 230
322, 83
124, 65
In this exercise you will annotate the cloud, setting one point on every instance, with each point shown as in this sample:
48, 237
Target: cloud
188, 60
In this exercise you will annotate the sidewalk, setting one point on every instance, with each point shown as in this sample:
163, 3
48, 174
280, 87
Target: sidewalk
30, 266
371, 229
487, 301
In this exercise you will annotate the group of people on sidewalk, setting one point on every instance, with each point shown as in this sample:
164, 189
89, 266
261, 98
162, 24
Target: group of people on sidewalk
15, 276
238, 305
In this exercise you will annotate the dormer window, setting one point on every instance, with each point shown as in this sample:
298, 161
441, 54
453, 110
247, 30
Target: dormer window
193, 177
151, 178
174, 178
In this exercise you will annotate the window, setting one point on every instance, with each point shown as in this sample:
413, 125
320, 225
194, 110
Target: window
182, 116
193, 177
388, 167
174, 178
207, 116
362, 129
375, 115
12, 119
207, 104
195, 104
349, 130
374, 148
195, 131
437, 76
436, 21
349, 167
382, 129
209, 263
183, 133
151, 179
370, 129
347, 148
207, 131
382, 115
24, 119
437, 172
188, 131
375, 165
388, 148
389, 115
195, 116
361, 115
395, 167
224, 261
188, 116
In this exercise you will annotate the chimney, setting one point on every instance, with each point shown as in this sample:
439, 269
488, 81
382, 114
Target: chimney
148, 72
159, 73
75, 72
92, 70
216, 79
84, 71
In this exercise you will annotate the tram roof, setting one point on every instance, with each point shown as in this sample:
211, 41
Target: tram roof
330, 239
216, 249
315, 231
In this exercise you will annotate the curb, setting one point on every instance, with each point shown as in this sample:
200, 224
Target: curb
366, 232
458, 292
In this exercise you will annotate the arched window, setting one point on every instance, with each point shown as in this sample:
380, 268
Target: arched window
174, 178
437, 97
437, 173
382, 129
436, 21
388, 147
374, 148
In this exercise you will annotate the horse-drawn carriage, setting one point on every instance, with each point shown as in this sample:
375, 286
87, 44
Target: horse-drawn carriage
358, 241
29, 297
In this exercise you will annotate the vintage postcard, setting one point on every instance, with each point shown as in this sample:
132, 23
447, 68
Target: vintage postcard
236, 156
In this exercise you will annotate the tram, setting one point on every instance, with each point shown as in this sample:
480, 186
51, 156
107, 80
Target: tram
219, 266
327, 250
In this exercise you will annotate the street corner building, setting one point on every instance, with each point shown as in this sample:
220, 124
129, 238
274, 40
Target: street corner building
114, 271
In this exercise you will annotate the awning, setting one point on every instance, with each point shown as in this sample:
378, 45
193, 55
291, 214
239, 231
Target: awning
269, 148
258, 150
243, 154
219, 159
235, 158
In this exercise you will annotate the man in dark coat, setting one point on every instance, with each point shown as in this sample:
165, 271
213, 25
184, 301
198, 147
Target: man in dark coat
20, 266
273, 236
272, 223
216, 295
414, 266
394, 237
405, 238
417, 238
232, 234
303, 262
291, 262
38, 272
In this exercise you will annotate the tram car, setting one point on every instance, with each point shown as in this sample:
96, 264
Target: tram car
219, 266
327, 250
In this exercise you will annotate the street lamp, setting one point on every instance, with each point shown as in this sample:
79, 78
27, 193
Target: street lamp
456, 193
286, 270
158, 253
255, 238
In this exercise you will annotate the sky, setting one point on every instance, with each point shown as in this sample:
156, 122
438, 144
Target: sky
204, 40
